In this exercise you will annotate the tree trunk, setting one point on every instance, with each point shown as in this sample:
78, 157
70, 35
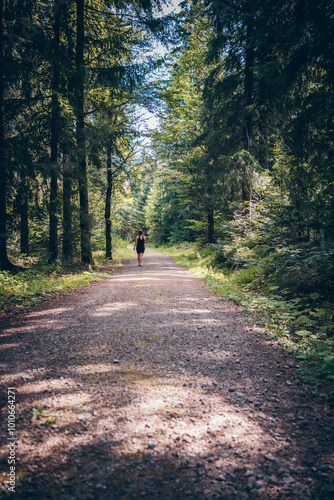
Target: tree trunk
211, 225
53, 229
249, 87
4, 261
264, 132
108, 207
24, 221
249, 91
86, 254
246, 196
67, 205
53, 238
322, 240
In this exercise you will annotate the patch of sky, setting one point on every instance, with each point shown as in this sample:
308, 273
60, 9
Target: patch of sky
148, 117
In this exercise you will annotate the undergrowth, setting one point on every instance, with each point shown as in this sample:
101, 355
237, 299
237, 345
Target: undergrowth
41, 280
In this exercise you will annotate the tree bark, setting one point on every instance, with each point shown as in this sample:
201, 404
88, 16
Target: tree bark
24, 221
53, 235
53, 229
86, 254
108, 207
211, 225
249, 91
246, 196
264, 132
249, 87
4, 261
67, 205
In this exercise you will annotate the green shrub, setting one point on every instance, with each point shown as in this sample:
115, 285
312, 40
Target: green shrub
246, 276
224, 257
31, 286
233, 257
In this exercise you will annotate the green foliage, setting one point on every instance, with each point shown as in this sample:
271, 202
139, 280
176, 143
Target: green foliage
246, 276
233, 257
32, 286
120, 252
182, 249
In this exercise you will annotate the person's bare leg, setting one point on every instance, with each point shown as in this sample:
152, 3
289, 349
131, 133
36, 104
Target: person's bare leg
138, 258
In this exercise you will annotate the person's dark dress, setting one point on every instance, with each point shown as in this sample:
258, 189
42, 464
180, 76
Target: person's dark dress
141, 244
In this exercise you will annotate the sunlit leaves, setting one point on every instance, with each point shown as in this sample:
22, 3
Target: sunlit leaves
30, 287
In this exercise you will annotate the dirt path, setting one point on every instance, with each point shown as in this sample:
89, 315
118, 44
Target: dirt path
147, 386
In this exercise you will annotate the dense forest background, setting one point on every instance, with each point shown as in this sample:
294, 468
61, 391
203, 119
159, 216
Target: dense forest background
72, 76
239, 165
244, 145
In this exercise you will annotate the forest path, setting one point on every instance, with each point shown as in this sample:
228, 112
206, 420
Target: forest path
146, 385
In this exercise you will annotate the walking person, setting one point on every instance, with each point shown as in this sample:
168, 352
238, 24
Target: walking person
140, 247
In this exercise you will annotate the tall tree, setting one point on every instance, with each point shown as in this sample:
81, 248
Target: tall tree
86, 253
55, 115
107, 214
4, 260
67, 203
186, 142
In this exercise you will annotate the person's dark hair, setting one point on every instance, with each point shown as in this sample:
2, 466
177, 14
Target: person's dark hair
140, 232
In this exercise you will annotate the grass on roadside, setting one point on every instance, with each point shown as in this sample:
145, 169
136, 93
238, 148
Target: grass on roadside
43, 280
120, 252
175, 251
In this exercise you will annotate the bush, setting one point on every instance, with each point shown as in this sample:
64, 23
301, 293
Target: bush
29, 287
233, 257
191, 256
303, 270
247, 276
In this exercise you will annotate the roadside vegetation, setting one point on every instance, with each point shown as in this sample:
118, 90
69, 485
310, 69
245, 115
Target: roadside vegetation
39, 281
276, 296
